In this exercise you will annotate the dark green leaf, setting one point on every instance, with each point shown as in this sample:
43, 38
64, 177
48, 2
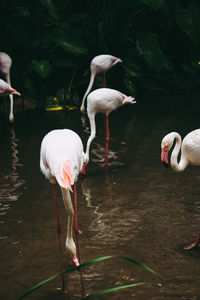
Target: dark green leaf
43, 68
50, 8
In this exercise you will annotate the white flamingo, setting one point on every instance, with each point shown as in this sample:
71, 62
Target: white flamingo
5, 66
6, 89
103, 100
61, 161
99, 64
190, 155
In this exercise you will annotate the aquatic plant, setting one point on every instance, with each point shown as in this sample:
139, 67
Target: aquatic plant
90, 263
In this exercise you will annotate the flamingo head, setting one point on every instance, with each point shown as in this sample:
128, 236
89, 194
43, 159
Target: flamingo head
75, 261
12, 91
164, 156
166, 145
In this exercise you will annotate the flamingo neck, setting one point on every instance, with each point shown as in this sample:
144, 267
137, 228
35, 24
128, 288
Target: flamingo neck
182, 164
11, 116
92, 76
91, 137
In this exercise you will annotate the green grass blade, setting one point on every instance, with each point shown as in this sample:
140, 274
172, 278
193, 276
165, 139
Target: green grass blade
99, 259
113, 289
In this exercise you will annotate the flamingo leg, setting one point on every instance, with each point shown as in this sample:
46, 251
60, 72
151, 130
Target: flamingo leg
107, 141
104, 80
77, 232
59, 238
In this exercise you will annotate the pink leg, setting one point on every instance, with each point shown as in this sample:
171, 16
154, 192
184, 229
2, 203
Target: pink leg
77, 238
107, 141
59, 238
104, 80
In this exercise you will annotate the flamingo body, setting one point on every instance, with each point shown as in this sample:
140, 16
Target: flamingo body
190, 155
190, 150
5, 66
61, 160
99, 64
103, 100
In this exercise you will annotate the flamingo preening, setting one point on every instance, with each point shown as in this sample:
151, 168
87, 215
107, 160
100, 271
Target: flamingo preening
99, 64
61, 161
103, 100
190, 155
5, 65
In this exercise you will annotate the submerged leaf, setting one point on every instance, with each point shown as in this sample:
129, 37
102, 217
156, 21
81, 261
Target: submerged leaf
113, 289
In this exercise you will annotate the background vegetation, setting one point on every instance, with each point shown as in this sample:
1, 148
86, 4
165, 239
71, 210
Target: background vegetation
52, 43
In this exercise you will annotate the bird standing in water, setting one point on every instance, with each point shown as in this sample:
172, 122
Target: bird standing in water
61, 161
190, 155
104, 101
5, 65
99, 64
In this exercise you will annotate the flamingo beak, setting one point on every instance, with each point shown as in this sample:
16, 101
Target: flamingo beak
116, 60
164, 156
13, 91
75, 261
83, 169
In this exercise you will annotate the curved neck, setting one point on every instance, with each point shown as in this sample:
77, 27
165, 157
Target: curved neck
178, 167
91, 137
88, 90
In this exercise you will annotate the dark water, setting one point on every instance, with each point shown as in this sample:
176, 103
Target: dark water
138, 209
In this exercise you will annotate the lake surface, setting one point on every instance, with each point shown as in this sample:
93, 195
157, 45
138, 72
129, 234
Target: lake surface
138, 208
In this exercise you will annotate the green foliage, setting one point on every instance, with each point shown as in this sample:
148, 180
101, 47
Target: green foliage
43, 68
88, 263
158, 41
148, 47
189, 21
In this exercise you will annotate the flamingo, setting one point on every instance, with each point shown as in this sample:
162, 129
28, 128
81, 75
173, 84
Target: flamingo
5, 65
103, 100
6, 89
99, 64
61, 160
190, 155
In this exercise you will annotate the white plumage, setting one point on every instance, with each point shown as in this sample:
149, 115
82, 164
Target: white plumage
104, 101
99, 64
190, 155
61, 160
5, 66
190, 150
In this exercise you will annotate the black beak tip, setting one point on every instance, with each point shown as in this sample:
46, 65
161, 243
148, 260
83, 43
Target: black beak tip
165, 164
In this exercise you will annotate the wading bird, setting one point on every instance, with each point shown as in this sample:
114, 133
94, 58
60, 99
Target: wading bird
6, 89
61, 161
104, 101
99, 64
190, 155
5, 65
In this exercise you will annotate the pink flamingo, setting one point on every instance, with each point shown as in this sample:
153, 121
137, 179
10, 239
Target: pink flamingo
190, 155
103, 100
61, 160
5, 65
99, 64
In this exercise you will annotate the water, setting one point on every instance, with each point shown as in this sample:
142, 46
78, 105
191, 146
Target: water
138, 209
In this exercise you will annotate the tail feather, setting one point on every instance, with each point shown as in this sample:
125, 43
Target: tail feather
130, 100
65, 176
